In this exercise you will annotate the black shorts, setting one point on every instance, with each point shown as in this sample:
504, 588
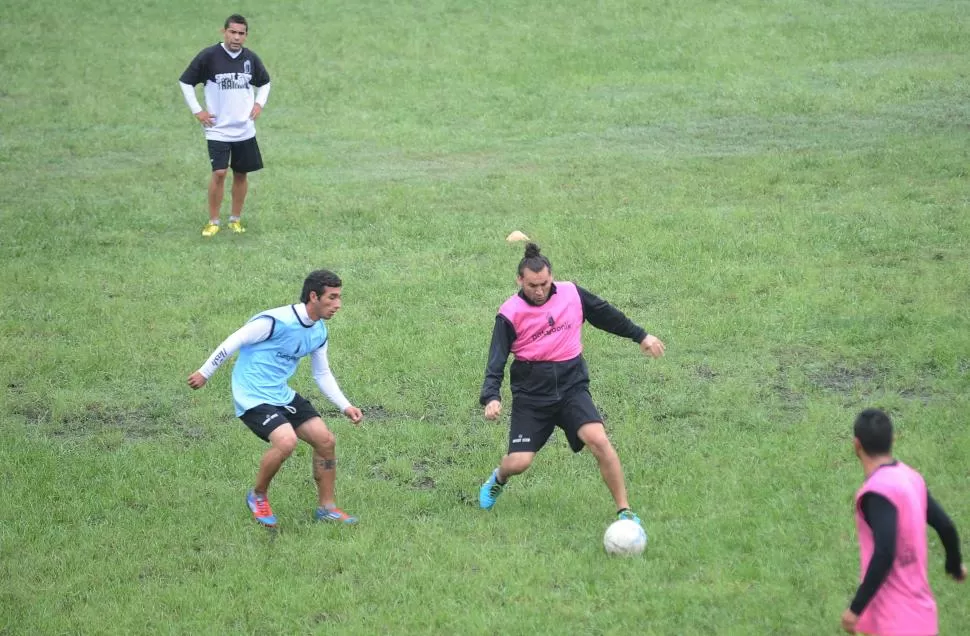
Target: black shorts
266, 418
531, 426
241, 156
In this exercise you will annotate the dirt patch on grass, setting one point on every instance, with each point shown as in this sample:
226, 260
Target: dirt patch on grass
96, 419
704, 372
844, 378
376, 412
417, 478
866, 379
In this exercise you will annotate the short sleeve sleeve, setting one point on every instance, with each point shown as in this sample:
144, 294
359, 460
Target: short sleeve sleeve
260, 74
197, 71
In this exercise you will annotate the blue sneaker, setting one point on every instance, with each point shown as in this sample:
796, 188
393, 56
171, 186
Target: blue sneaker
490, 491
333, 515
626, 513
259, 505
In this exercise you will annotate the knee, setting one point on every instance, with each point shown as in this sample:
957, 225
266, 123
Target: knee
325, 444
516, 463
219, 175
285, 444
594, 436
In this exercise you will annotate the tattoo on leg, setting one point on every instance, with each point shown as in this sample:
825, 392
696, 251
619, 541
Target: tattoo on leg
327, 464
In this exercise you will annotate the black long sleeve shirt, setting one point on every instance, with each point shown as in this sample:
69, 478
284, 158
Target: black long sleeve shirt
881, 515
544, 382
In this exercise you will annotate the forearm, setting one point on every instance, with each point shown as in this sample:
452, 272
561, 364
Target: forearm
605, 316
223, 352
937, 518
262, 94
325, 379
327, 384
503, 334
188, 93
877, 572
250, 333
882, 517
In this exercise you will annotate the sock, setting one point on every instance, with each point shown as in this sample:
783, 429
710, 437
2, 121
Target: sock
216, 222
234, 219
621, 511
328, 507
497, 480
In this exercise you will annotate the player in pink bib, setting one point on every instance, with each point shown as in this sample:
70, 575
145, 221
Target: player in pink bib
541, 326
892, 510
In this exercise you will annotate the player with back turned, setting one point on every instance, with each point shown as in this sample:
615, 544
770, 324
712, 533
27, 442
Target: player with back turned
892, 509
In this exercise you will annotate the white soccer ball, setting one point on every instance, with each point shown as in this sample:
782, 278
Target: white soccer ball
625, 538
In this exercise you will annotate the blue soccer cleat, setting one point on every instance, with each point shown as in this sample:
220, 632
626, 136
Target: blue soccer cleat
626, 513
333, 515
490, 491
259, 505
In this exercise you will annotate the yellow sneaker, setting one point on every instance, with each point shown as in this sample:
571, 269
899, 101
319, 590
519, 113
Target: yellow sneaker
236, 227
210, 230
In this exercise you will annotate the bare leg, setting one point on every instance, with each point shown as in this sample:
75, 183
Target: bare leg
315, 433
217, 186
514, 464
594, 436
240, 186
282, 443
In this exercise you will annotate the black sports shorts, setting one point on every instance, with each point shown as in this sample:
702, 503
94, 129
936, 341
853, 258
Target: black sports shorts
241, 156
266, 418
531, 426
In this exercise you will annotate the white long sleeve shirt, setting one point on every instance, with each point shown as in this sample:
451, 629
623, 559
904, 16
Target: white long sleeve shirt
260, 329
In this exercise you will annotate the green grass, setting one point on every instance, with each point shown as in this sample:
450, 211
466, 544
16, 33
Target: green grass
776, 189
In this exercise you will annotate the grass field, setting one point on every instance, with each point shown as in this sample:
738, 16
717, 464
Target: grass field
777, 189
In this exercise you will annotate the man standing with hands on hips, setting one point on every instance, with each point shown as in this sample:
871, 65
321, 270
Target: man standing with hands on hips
228, 73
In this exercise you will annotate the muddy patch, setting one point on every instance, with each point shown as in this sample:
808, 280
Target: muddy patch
97, 420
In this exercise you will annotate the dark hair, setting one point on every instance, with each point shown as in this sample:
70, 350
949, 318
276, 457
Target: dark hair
874, 430
235, 18
533, 260
316, 281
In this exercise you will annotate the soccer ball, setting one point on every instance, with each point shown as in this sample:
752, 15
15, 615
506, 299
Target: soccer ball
625, 538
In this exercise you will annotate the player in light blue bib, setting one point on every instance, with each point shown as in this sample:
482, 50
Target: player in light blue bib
270, 347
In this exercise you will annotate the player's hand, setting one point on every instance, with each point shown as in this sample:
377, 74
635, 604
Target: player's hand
652, 345
197, 380
354, 414
257, 109
962, 576
493, 409
205, 118
849, 619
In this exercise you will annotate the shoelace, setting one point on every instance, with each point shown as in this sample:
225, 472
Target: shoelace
262, 507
